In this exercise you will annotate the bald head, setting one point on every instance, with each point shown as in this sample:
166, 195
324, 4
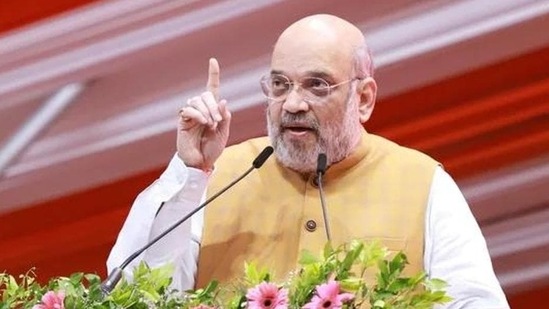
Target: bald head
328, 34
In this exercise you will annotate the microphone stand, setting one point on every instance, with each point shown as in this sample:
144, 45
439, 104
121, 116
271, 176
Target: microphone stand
114, 277
320, 170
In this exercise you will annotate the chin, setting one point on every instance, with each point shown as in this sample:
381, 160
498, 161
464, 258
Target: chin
299, 156
298, 166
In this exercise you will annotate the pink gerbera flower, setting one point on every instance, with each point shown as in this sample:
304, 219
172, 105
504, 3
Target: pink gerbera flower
51, 300
267, 296
328, 297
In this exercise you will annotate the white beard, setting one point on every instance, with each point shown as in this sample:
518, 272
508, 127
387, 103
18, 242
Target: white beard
336, 139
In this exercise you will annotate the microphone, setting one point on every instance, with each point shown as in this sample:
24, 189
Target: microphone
108, 285
322, 165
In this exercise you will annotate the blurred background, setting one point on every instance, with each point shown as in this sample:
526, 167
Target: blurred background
89, 93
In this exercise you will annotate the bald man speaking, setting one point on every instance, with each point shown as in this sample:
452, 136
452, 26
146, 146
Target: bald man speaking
320, 91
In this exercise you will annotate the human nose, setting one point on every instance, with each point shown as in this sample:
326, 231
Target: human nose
295, 102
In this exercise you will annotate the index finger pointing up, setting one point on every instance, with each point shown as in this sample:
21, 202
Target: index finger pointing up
213, 78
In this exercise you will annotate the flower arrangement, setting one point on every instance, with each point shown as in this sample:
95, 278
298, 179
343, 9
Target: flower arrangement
336, 279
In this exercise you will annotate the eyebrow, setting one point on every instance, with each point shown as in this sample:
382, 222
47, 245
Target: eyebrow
320, 74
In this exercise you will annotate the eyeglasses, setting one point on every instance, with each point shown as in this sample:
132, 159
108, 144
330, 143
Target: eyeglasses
277, 87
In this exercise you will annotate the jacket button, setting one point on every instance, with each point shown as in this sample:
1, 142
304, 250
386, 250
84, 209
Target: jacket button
314, 182
310, 225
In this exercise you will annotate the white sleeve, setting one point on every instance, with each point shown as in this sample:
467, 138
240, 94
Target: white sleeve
178, 190
455, 249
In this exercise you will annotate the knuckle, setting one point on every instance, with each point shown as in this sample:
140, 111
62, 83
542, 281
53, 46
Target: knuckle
206, 95
193, 101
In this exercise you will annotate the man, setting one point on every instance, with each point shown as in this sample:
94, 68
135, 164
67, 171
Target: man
320, 92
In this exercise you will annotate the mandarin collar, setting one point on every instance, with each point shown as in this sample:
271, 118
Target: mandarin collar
338, 169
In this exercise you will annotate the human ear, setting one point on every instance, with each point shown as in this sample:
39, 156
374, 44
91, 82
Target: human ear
367, 90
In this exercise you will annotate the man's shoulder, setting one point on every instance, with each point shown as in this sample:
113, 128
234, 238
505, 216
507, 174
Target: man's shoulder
388, 148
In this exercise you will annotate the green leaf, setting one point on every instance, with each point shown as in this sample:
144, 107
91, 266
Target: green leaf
254, 275
251, 272
435, 284
76, 278
418, 278
379, 304
12, 284
150, 287
349, 260
307, 258
211, 287
351, 284
328, 250
372, 254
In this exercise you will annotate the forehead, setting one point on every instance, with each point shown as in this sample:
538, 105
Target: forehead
312, 56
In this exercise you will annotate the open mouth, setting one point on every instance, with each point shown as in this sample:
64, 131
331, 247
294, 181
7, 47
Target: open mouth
298, 130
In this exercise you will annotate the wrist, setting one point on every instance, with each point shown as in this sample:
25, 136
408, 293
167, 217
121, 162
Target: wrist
207, 170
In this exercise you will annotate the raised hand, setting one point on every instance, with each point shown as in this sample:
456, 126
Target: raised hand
203, 127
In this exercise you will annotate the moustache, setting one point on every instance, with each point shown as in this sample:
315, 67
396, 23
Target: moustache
299, 120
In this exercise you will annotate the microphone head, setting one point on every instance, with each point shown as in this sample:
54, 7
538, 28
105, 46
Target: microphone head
262, 157
322, 163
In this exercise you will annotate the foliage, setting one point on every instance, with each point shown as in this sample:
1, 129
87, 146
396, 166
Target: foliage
340, 272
